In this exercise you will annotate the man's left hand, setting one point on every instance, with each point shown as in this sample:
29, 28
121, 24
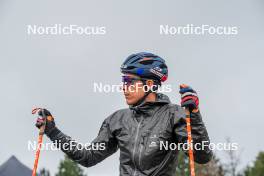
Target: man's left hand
189, 98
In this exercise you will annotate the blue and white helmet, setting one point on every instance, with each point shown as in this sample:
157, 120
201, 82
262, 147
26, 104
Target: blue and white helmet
146, 65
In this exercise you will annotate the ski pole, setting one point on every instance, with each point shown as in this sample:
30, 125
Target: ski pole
40, 138
189, 133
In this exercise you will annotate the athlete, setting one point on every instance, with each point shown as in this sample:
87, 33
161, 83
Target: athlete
143, 130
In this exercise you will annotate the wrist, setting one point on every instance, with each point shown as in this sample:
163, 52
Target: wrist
52, 131
195, 110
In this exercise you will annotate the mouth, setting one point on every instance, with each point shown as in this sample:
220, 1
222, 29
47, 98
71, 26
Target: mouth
126, 96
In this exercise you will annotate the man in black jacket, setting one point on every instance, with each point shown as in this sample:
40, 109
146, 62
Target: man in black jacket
143, 131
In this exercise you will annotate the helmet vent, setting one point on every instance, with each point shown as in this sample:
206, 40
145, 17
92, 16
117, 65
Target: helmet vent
163, 66
130, 67
146, 62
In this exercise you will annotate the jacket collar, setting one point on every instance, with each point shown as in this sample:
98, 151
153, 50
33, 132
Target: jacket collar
149, 107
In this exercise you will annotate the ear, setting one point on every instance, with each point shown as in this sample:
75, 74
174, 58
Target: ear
150, 82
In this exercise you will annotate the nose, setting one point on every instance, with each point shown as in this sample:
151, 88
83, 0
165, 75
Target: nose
124, 87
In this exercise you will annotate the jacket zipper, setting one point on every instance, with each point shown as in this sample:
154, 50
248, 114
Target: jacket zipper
140, 151
135, 146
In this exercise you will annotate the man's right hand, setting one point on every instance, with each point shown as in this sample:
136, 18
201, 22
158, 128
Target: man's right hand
50, 123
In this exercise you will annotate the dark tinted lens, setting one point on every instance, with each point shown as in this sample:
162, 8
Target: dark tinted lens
126, 80
129, 80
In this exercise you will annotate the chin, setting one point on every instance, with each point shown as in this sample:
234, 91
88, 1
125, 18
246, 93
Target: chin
129, 102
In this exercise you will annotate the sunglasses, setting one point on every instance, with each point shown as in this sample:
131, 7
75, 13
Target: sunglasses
128, 80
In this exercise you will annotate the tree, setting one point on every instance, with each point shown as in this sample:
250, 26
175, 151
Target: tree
247, 171
44, 172
213, 168
68, 167
258, 167
182, 168
233, 161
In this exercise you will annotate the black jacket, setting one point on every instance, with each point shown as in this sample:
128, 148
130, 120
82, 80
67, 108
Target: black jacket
139, 132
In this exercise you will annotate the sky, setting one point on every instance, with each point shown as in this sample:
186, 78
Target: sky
59, 71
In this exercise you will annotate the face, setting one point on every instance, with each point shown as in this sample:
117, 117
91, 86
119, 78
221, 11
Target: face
133, 88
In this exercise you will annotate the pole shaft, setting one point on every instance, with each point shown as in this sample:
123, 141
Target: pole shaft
189, 133
40, 139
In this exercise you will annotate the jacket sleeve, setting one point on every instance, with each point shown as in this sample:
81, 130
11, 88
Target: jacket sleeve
103, 146
202, 153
